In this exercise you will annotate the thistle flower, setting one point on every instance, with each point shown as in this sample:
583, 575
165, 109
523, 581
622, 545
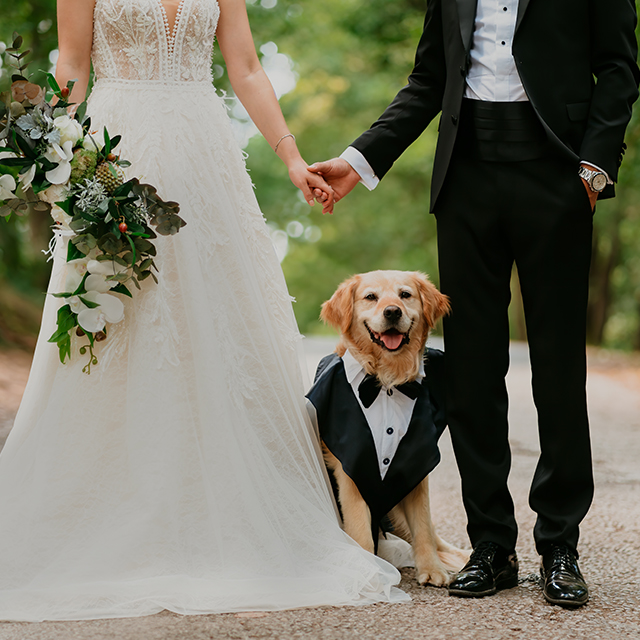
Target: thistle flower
90, 194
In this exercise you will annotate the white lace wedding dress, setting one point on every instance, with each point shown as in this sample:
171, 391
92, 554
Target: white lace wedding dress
183, 473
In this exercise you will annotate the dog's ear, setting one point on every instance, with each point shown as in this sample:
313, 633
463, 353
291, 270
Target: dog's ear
435, 305
338, 310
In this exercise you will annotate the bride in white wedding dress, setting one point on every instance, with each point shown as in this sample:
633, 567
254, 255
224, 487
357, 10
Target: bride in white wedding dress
183, 473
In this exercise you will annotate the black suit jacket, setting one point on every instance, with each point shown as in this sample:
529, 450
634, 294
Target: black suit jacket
346, 433
559, 47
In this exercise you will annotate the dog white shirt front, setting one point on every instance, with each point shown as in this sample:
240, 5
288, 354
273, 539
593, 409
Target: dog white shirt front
389, 415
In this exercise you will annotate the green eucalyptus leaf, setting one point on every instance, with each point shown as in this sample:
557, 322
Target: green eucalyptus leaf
110, 244
123, 290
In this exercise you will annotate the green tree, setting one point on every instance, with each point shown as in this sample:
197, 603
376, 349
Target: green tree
351, 57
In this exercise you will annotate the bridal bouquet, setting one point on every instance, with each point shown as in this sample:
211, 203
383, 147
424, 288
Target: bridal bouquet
51, 161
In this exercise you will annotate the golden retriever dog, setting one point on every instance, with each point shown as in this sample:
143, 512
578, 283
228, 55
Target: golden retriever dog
384, 319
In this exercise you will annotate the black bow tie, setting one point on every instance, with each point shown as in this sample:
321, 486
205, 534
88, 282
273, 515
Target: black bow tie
369, 389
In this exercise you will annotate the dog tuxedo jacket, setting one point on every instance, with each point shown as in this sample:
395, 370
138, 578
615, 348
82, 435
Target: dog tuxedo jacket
344, 430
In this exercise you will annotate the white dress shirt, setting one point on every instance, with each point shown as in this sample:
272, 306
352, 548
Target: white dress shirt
492, 76
388, 416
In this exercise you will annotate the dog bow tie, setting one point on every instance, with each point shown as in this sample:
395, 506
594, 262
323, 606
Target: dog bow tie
369, 389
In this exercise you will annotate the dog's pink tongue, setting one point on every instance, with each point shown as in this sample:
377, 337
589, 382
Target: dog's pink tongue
391, 340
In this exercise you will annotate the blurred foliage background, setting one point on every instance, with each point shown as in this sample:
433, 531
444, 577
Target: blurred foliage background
337, 65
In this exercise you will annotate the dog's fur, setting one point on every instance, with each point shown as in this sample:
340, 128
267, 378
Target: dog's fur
413, 306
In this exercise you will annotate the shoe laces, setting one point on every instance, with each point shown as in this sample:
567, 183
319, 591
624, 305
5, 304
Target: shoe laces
484, 551
562, 556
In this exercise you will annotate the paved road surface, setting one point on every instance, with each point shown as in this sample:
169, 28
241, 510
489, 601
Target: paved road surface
610, 548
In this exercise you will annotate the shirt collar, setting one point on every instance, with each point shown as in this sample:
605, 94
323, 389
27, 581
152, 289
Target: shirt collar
352, 367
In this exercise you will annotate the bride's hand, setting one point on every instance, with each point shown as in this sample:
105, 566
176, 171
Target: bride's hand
312, 186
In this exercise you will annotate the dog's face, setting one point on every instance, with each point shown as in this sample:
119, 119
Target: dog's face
384, 318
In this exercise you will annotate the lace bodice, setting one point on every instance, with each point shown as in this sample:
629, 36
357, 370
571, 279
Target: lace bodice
133, 40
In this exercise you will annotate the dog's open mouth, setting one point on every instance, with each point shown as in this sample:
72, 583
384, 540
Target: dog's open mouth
392, 339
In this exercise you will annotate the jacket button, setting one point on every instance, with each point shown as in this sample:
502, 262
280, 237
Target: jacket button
454, 119
462, 72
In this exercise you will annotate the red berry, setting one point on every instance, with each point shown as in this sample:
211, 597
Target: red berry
123, 227
64, 92
111, 157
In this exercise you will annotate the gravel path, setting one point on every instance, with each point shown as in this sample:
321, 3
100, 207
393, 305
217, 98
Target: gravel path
610, 544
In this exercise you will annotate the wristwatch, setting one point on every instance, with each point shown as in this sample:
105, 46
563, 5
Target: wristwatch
596, 180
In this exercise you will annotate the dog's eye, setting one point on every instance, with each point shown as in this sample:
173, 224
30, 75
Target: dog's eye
371, 296
405, 294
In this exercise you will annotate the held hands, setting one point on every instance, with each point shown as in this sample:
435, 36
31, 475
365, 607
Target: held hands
312, 186
340, 176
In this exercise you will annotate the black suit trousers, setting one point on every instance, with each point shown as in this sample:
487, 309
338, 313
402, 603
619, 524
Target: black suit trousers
535, 213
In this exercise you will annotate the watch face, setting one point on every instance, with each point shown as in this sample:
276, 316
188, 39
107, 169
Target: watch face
599, 182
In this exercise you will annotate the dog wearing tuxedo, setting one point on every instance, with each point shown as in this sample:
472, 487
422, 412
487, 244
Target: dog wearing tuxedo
379, 403
534, 98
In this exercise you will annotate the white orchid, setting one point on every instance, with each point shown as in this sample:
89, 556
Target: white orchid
70, 129
27, 178
7, 187
63, 156
109, 309
76, 270
76, 304
100, 271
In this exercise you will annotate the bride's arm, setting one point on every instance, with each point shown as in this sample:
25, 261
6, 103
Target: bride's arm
75, 36
251, 85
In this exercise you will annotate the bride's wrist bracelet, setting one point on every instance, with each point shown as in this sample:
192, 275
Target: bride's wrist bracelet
286, 135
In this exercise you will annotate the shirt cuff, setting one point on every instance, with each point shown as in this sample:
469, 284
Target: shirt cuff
593, 166
359, 163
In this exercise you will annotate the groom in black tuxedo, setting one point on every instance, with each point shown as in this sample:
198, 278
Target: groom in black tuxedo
535, 97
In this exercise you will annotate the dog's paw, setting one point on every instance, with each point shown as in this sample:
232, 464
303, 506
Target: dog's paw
435, 576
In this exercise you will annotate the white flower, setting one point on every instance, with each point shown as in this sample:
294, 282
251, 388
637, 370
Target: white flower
93, 143
27, 178
63, 155
105, 267
6, 153
76, 304
61, 217
7, 186
76, 270
70, 129
100, 270
110, 309
55, 193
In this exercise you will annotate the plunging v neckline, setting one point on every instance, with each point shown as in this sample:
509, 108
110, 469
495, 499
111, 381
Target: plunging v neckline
171, 31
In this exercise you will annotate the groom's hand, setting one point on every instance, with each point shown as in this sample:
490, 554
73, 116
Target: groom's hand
340, 175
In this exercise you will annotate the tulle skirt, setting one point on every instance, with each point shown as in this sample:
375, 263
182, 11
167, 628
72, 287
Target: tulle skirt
183, 472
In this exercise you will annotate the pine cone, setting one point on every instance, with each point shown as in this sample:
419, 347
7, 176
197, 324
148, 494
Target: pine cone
105, 176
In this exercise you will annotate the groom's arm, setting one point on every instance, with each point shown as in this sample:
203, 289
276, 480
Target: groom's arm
613, 60
413, 108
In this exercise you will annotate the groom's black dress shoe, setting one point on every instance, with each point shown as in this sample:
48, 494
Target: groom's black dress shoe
490, 568
562, 582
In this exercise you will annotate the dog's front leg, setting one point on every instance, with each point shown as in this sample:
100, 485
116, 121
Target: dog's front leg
429, 568
356, 515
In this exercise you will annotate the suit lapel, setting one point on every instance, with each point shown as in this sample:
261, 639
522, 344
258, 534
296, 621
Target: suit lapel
467, 16
522, 7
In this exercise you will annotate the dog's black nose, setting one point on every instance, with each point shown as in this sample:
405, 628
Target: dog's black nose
392, 313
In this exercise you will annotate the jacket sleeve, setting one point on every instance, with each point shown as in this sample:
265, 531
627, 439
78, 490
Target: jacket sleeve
415, 106
614, 51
